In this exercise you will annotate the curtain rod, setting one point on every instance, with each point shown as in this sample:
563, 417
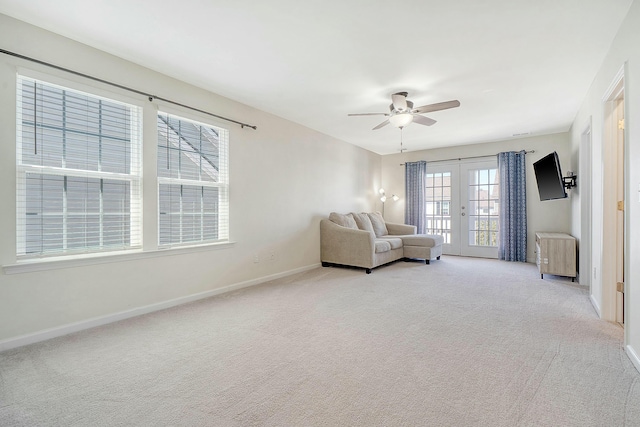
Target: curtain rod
465, 158
148, 95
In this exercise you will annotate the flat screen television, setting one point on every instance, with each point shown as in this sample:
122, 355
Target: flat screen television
549, 177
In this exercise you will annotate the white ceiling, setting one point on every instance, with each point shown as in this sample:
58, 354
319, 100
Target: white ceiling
517, 66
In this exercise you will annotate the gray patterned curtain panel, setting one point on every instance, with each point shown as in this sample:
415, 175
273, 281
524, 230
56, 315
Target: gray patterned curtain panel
512, 242
415, 174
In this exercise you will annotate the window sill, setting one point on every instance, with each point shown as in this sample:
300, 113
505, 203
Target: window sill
43, 264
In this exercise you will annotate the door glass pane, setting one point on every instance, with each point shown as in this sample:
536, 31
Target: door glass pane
438, 200
483, 207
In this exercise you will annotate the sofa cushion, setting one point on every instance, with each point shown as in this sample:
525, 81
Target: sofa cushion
343, 220
395, 242
363, 221
424, 240
382, 246
379, 226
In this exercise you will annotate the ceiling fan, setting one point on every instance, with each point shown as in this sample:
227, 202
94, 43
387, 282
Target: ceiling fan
402, 112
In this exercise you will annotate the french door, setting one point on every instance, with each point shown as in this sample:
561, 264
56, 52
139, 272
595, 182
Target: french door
462, 205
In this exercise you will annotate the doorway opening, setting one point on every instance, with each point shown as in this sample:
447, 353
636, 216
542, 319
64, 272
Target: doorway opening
584, 191
462, 205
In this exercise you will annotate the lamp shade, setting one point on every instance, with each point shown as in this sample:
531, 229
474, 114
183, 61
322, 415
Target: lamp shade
401, 119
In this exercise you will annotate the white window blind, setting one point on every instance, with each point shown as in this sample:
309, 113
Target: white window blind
193, 182
79, 172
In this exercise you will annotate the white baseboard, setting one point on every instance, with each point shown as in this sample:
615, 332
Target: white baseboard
633, 356
115, 317
595, 305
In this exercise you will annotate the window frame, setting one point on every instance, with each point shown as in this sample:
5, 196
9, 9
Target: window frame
222, 185
148, 178
134, 177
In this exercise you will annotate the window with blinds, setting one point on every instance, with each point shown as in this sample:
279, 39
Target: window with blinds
79, 172
193, 182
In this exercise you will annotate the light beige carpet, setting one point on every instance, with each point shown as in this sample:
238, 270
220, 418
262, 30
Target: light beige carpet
459, 342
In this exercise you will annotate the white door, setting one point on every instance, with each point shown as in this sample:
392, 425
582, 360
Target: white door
462, 206
480, 209
620, 213
442, 196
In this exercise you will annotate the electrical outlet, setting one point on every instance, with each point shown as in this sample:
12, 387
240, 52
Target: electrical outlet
256, 259
272, 257
594, 273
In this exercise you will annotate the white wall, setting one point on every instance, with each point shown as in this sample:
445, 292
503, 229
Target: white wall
552, 215
624, 52
283, 179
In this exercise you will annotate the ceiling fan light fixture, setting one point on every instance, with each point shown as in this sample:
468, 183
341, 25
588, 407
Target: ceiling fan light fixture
401, 119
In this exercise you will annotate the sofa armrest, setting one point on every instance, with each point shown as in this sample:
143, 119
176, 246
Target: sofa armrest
346, 246
400, 229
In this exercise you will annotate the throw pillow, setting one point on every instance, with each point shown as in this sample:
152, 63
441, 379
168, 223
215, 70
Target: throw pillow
379, 226
363, 221
343, 220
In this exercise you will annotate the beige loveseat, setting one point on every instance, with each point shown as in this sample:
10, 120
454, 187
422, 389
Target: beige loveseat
365, 240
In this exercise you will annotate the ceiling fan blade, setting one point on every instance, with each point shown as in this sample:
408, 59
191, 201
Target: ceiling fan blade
368, 114
422, 120
386, 122
437, 107
399, 101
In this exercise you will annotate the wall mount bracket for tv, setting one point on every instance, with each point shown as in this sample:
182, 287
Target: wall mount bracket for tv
569, 181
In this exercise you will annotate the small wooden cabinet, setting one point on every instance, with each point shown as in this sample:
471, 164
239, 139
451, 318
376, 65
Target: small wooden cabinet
556, 254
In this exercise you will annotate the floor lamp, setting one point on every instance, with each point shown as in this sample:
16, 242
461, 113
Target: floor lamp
383, 198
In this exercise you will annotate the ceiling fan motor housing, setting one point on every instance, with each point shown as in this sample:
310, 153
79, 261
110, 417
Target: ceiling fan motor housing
409, 108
